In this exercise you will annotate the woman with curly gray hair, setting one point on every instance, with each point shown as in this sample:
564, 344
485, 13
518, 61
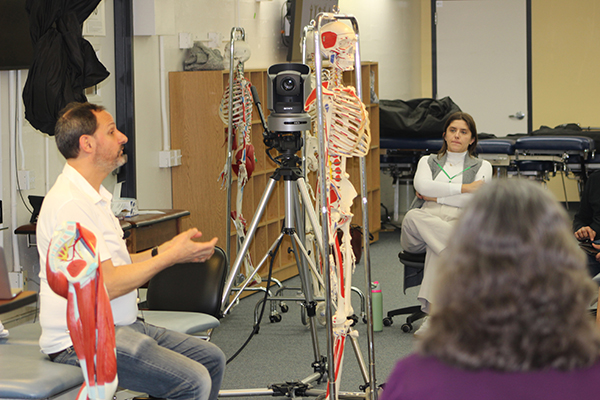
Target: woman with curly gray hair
510, 317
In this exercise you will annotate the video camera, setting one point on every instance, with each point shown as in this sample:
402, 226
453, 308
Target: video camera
287, 89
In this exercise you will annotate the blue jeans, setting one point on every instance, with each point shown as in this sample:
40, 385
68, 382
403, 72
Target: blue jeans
163, 363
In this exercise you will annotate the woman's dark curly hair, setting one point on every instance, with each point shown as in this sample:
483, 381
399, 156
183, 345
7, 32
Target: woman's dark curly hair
514, 288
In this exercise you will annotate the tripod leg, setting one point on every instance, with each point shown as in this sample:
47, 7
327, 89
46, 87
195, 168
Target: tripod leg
262, 205
292, 211
308, 293
359, 357
249, 279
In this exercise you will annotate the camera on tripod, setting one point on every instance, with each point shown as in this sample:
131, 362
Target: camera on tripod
287, 89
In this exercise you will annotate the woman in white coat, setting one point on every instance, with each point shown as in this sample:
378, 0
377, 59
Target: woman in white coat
444, 183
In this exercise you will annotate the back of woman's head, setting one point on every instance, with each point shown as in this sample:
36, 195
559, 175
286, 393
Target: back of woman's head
514, 290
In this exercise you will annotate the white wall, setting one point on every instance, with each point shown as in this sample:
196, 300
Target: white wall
32, 158
390, 35
39, 155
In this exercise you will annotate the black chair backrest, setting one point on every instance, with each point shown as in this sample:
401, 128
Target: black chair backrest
192, 286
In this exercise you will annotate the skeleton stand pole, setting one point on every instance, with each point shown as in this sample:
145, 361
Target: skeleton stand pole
326, 266
230, 138
324, 211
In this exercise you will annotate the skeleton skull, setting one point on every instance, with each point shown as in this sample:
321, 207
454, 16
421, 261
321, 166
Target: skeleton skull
241, 52
337, 43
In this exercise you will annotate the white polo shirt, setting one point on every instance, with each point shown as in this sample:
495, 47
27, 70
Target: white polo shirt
72, 198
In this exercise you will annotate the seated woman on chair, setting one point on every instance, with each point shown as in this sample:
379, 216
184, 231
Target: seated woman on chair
444, 183
510, 319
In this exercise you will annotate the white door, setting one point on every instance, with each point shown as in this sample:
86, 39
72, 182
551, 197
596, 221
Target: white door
482, 61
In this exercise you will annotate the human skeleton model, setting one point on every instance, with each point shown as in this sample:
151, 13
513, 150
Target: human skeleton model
243, 161
347, 135
73, 271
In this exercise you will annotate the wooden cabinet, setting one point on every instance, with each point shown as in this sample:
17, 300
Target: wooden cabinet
145, 231
197, 130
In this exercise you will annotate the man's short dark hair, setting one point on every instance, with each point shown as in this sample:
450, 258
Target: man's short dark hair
74, 120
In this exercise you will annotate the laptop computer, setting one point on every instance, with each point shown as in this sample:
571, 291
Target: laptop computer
6, 293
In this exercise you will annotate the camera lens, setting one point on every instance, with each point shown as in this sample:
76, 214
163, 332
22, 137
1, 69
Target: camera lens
288, 84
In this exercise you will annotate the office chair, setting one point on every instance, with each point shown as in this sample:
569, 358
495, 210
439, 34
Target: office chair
187, 297
413, 275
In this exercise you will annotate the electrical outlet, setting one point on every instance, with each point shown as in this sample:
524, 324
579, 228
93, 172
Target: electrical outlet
26, 180
169, 158
214, 40
185, 40
16, 280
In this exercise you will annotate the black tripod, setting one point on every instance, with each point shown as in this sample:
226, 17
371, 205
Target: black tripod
293, 182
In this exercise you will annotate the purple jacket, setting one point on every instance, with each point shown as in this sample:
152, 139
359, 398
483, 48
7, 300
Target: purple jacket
427, 378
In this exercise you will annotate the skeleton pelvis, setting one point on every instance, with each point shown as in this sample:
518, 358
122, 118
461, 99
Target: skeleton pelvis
249, 160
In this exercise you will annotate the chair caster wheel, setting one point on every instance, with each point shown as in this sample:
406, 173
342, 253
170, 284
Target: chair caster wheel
275, 318
365, 319
387, 321
303, 316
284, 307
406, 328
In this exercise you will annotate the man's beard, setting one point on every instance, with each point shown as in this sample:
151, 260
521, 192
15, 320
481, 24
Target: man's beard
121, 160
111, 165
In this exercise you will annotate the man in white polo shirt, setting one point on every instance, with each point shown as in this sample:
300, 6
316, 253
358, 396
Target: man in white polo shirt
150, 359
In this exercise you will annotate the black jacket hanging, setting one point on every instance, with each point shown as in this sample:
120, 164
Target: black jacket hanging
64, 63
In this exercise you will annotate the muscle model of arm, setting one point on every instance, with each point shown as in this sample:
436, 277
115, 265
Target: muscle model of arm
73, 272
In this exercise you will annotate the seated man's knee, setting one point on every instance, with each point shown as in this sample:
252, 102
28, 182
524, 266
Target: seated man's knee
197, 384
220, 359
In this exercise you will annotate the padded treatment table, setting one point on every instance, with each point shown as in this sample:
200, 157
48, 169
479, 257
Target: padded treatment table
543, 155
539, 156
404, 153
500, 152
592, 163
562, 146
26, 373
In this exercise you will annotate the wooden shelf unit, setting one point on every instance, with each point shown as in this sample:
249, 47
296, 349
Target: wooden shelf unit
198, 131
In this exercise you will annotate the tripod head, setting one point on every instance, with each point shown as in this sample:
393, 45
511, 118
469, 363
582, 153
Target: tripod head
288, 87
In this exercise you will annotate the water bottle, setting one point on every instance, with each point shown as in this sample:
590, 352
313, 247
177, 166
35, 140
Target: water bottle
377, 303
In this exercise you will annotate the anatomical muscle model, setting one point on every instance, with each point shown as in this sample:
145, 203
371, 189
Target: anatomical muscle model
73, 271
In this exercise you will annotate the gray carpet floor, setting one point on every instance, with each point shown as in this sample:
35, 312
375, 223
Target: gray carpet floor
283, 351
